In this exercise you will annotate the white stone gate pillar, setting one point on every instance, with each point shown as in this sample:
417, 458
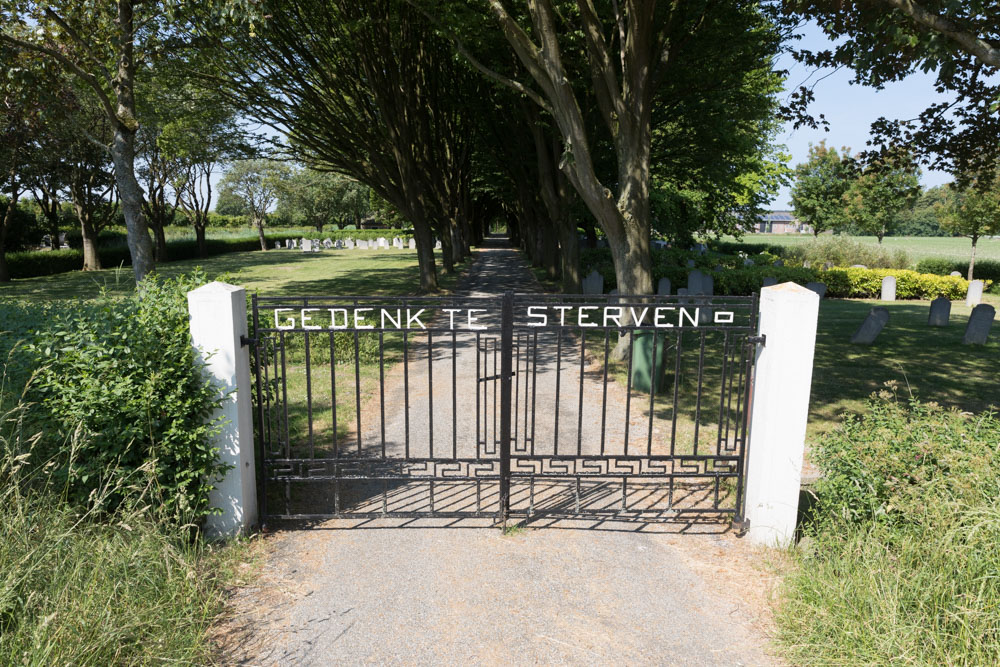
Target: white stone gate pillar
218, 322
780, 410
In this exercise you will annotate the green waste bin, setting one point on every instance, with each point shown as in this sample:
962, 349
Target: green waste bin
642, 360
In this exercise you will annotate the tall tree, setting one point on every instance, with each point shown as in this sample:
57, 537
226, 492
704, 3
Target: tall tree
819, 187
974, 211
257, 183
107, 47
887, 40
880, 192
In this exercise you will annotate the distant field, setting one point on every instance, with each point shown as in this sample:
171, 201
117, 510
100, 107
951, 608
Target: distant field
918, 247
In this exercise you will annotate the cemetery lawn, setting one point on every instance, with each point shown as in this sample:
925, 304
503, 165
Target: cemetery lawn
292, 272
931, 363
917, 247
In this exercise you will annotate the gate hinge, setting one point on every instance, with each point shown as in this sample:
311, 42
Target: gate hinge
757, 340
247, 340
741, 526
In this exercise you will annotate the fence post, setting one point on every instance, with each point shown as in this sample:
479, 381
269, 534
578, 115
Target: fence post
780, 411
218, 326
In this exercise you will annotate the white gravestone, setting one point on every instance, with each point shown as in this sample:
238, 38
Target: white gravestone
975, 294
889, 288
413, 244
307, 245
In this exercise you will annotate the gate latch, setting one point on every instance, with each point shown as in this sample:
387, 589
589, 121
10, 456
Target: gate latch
247, 340
757, 340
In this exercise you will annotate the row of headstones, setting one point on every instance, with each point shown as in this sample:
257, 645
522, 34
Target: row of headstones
313, 245
977, 330
973, 296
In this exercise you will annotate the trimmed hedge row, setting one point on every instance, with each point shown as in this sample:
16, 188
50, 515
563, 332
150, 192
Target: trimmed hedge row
736, 279
36, 263
984, 270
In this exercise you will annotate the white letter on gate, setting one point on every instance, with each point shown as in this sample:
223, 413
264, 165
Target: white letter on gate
290, 319
542, 316
473, 319
306, 318
386, 315
562, 313
359, 320
684, 313
658, 315
410, 319
616, 318
451, 316
333, 318
580, 315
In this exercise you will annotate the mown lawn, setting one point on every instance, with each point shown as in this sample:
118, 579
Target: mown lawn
917, 247
331, 272
930, 362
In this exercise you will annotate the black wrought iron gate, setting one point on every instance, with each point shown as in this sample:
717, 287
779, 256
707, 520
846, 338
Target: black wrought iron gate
520, 405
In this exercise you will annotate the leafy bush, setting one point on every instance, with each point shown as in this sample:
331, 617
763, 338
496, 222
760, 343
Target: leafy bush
867, 284
900, 559
120, 376
984, 270
106, 238
24, 230
845, 251
79, 587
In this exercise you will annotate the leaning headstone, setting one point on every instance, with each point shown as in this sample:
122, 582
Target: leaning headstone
889, 288
770, 280
413, 244
955, 274
975, 294
980, 321
306, 245
819, 288
593, 283
940, 312
779, 263
869, 330
663, 287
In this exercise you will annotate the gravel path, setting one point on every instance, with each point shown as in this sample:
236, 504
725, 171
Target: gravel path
438, 591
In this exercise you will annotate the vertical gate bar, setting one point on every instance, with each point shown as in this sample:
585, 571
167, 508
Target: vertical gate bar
381, 384
496, 351
284, 394
479, 374
628, 388
430, 401
333, 393
697, 405
722, 390
277, 403
357, 386
579, 416
652, 396
264, 445
604, 389
454, 394
264, 380
734, 359
677, 381
534, 386
517, 386
506, 342
309, 398
555, 426
406, 394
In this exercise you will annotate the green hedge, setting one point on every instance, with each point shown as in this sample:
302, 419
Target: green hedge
984, 270
736, 279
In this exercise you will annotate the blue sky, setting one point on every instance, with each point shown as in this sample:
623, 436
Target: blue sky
850, 109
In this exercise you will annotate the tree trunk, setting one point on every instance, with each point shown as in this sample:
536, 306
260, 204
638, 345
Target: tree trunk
7, 219
447, 256
588, 226
569, 256
199, 235
972, 258
425, 258
139, 244
91, 257
259, 222
160, 251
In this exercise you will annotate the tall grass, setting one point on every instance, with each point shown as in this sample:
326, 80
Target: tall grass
80, 587
845, 251
901, 560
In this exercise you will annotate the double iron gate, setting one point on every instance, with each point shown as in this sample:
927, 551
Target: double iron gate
520, 405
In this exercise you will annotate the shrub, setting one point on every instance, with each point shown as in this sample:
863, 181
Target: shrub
900, 559
984, 270
120, 374
24, 230
106, 238
845, 251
